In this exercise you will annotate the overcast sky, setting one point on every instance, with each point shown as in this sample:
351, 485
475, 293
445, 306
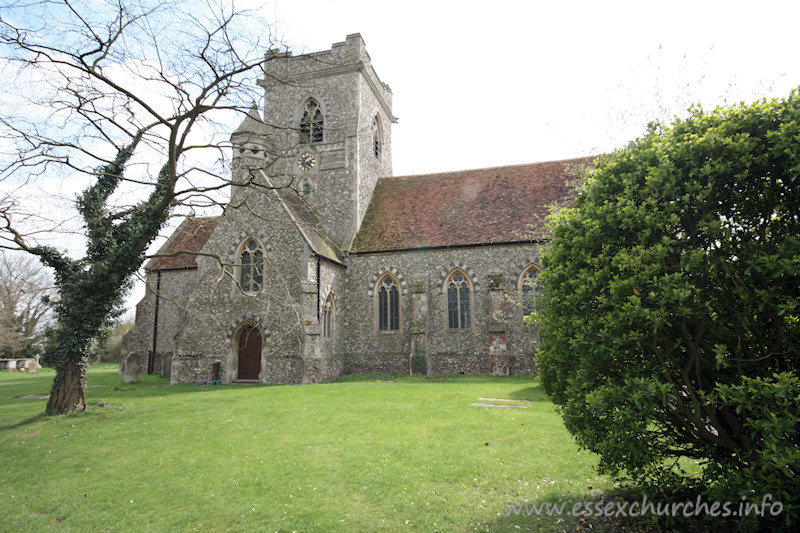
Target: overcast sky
480, 84
483, 84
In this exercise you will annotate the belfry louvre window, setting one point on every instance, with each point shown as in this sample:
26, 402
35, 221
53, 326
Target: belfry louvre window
311, 123
458, 301
377, 138
251, 268
388, 305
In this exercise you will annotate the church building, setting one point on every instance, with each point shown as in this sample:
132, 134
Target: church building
323, 264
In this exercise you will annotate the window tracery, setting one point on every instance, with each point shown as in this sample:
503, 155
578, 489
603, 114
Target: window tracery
458, 301
529, 289
312, 122
251, 267
388, 304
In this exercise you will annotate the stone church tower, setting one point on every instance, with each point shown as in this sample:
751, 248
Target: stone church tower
323, 264
328, 119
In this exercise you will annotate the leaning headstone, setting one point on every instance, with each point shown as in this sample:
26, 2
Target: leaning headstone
131, 369
34, 366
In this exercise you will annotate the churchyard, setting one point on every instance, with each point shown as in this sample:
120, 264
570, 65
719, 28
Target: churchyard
364, 453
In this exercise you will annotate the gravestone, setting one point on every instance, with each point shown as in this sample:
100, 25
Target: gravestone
166, 365
131, 369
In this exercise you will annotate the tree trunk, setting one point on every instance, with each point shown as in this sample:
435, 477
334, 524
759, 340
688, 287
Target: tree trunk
68, 394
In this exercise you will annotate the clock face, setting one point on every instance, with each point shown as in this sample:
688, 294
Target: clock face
307, 161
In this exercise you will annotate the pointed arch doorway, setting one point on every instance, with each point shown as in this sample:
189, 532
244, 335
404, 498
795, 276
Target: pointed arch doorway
249, 353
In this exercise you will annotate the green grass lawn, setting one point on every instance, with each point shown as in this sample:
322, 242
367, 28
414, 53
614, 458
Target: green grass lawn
359, 454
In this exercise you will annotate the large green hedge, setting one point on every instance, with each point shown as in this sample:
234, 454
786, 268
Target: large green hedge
670, 320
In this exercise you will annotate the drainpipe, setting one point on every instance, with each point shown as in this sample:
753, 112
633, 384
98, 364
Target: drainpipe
151, 359
318, 287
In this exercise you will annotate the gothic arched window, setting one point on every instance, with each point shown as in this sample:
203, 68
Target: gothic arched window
529, 289
459, 291
251, 267
377, 137
388, 304
311, 122
328, 317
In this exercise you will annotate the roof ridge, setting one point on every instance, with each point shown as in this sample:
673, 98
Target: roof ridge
465, 171
299, 209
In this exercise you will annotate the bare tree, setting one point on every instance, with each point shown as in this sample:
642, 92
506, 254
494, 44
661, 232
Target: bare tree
120, 100
25, 292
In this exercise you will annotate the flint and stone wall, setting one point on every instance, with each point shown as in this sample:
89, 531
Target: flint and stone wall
294, 349
202, 311
173, 293
218, 309
350, 94
494, 271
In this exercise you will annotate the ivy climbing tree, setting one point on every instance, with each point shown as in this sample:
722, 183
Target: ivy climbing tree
119, 98
671, 320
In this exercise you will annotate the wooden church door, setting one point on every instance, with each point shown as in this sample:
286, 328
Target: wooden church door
249, 353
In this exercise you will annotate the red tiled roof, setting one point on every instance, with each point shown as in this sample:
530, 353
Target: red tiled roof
492, 205
178, 252
307, 222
